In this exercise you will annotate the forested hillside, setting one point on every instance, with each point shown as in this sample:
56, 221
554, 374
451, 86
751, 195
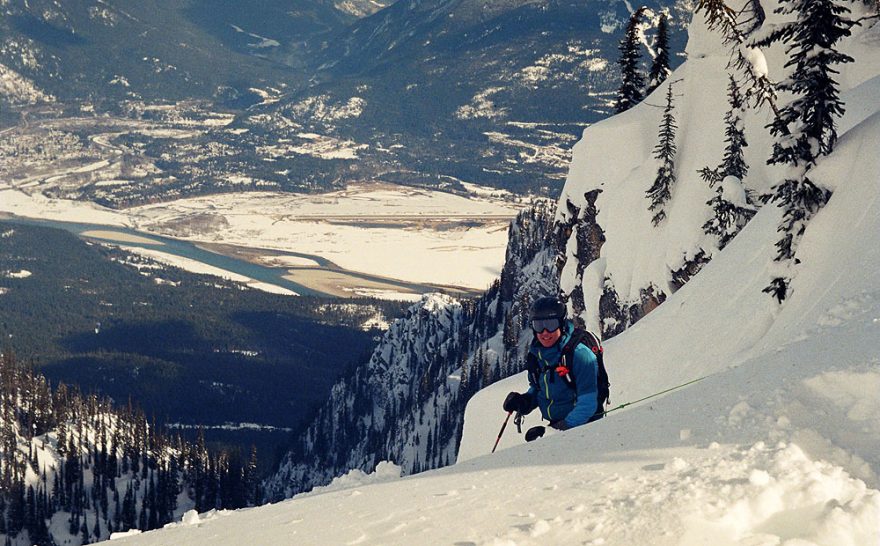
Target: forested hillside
77, 468
177, 343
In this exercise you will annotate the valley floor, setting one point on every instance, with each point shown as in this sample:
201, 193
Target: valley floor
349, 250
377, 239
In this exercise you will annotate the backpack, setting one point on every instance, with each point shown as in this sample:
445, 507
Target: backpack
592, 342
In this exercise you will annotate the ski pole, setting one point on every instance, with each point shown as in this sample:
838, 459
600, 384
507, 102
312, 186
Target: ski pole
509, 413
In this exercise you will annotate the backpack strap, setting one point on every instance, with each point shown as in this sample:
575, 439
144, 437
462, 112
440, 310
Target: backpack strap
592, 342
577, 337
533, 368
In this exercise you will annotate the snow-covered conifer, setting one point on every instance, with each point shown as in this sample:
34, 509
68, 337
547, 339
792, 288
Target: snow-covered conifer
811, 116
661, 191
632, 80
746, 57
730, 205
660, 67
731, 209
806, 127
734, 162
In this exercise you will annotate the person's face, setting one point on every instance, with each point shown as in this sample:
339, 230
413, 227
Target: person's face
548, 331
548, 339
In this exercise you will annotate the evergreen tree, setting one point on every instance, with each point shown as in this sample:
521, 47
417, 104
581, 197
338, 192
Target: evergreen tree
252, 479
632, 81
806, 127
734, 162
730, 204
85, 530
511, 331
730, 210
660, 67
661, 191
91, 441
129, 510
96, 532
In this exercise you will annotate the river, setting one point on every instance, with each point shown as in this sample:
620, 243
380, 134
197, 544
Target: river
184, 249
227, 260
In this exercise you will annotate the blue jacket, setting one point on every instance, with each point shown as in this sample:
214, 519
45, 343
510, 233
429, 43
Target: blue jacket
550, 393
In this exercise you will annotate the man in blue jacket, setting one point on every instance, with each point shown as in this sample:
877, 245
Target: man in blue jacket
563, 386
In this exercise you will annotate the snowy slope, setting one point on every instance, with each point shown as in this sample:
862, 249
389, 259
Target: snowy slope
16, 89
720, 325
616, 157
778, 443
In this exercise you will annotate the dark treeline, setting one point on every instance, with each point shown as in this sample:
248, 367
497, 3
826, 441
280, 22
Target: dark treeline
74, 468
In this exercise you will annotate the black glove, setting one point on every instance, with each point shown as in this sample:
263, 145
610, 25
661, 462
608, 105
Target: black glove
534, 433
560, 425
516, 402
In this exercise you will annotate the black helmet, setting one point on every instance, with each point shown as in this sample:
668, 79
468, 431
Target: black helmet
548, 307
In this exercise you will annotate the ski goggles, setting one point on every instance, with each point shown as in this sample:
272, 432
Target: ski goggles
549, 324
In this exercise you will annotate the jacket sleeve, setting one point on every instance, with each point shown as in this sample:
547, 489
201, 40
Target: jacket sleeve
532, 394
585, 371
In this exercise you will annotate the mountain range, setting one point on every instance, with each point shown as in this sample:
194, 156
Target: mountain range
428, 93
734, 414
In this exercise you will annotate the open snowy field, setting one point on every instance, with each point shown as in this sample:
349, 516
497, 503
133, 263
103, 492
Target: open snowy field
403, 233
395, 232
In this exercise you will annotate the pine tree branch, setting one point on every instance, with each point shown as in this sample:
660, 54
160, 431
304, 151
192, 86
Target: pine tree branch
720, 15
866, 18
